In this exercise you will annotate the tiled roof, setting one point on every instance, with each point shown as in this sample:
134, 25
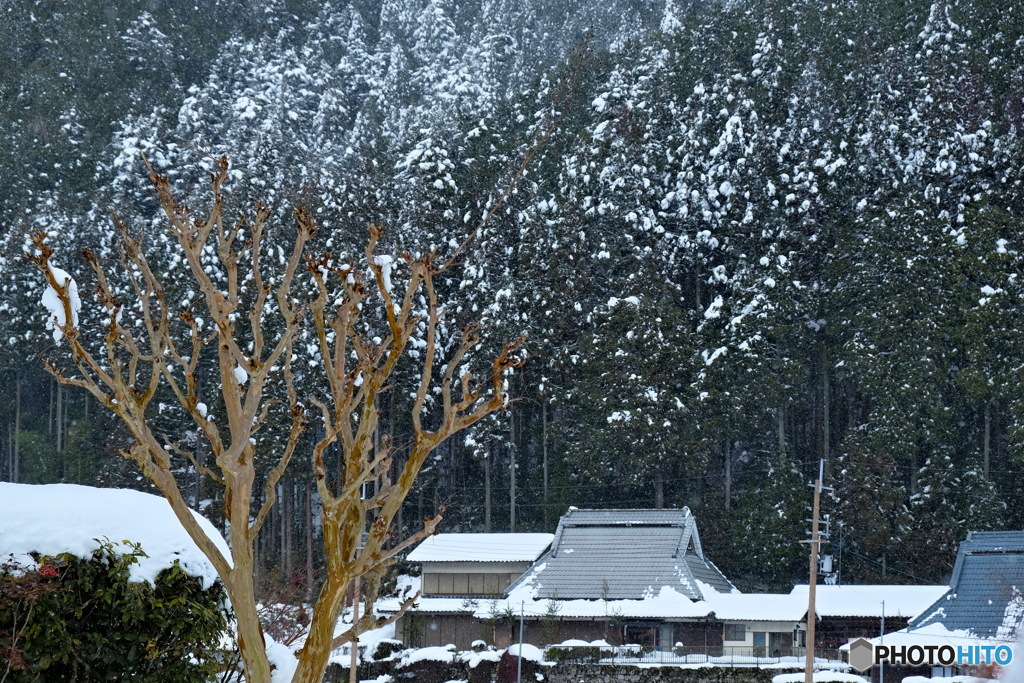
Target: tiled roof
985, 596
623, 555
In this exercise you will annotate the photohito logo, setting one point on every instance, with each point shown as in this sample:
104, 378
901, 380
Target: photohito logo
864, 655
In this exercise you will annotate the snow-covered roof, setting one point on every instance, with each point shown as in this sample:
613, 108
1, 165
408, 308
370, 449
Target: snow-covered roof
756, 606
65, 518
866, 600
830, 601
986, 594
481, 548
667, 603
932, 634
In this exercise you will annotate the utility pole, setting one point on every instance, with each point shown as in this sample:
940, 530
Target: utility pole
353, 661
881, 640
354, 644
519, 659
815, 543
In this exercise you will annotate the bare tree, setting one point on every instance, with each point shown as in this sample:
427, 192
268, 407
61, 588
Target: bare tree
251, 345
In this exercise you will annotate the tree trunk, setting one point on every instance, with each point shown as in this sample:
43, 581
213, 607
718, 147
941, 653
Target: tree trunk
825, 411
781, 428
309, 541
286, 530
59, 422
17, 427
251, 645
512, 475
544, 444
987, 439
317, 648
487, 493
659, 490
50, 409
728, 474
197, 480
242, 591
280, 526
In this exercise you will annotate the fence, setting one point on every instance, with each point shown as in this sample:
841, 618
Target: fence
721, 656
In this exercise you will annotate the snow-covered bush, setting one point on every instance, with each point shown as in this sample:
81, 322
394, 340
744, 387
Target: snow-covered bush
431, 665
73, 618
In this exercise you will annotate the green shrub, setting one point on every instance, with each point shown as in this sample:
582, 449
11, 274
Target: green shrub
384, 649
79, 619
483, 672
431, 671
576, 654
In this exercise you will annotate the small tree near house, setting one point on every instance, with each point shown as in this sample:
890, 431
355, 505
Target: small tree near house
256, 314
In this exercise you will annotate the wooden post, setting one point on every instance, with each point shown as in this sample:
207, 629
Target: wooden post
354, 655
811, 586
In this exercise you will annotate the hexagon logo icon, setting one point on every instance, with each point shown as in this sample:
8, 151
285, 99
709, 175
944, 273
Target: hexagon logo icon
862, 654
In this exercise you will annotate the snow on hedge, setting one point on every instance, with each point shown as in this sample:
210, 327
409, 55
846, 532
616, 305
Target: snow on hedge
436, 653
66, 518
820, 677
531, 653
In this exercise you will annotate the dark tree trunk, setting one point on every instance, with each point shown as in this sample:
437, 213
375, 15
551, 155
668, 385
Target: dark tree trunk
487, 493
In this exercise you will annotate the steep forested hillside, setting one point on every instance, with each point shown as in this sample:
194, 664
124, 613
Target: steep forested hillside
749, 235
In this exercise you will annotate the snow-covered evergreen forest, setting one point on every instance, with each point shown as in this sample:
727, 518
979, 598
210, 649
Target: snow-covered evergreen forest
751, 234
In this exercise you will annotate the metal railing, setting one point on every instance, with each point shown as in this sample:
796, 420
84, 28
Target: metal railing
716, 656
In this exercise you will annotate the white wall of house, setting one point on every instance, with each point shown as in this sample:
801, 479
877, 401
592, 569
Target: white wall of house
469, 578
752, 627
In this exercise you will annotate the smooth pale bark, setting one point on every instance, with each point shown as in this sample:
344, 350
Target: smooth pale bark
148, 356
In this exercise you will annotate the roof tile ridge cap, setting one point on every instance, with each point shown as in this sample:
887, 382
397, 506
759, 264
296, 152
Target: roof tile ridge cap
557, 540
958, 564
682, 542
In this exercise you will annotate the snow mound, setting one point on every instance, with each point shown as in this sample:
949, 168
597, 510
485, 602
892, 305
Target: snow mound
66, 518
283, 661
473, 659
436, 653
530, 652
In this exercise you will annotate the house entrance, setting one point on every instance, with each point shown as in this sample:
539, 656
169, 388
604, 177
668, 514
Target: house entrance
760, 643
